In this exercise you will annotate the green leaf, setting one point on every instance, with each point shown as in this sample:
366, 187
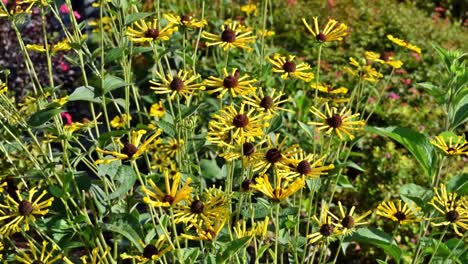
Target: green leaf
377, 238
210, 169
113, 54
275, 124
42, 116
415, 193
232, 248
415, 142
126, 177
125, 230
167, 127
84, 93
188, 111
306, 129
458, 184
136, 16
460, 112
112, 82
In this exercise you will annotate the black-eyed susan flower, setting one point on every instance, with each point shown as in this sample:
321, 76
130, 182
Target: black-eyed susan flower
308, 165
233, 35
331, 94
269, 104
249, 9
403, 213
289, 69
363, 72
206, 232
17, 213
232, 83
160, 161
58, 47
183, 84
245, 151
327, 228
348, 221
171, 147
151, 252
257, 228
130, 150
186, 20
454, 210
69, 129
282, 188
15, 8
383, 58
42, 254
171, 196
143, 31
340, 122
157, 110
121, 121
242, 125
213, 205
451, 144
333, 31
404, 44
276, 155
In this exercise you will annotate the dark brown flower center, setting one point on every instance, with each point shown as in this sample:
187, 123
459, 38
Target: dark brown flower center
228, 35
25, 208
273, 155
267, 102
37, 262
185, 18
197, 207
240, 120
168, 199
385, 56
321, 37
246, 184
177, 84
248, 149
152, 33
304, 167
129, 149
400, 216
348, 222
334, 121
230, 82
289, 66
452, 216
451, 150
150, 251
326, 230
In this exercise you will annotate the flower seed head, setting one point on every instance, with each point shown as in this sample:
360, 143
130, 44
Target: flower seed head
273, 155
25, 208
385, 56
246, 185
230, 82
248, 149
228, 35
197, 207
348, 222
452, 216
321, 37
240, 121
400, 216
289, 66
185, 18
152, 33
129, 149
267, 102
335, 121
177, 84
168, 199
150, 251
326, 230
304, 167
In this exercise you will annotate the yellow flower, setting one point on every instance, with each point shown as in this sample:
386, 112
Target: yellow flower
331, 32
172, 195
338, 121
2, 185
237, 125
206, 232
62, 100
348, 221
185, 20
15, 215
276, 155
233, 35
120, 121
232, 83
151, 252
245, 150
15, 9
157, 110
63, 45
307, 165
454, 211
282, 190
106, 21
265, 33
383, 58
289, 69
249, 9
327, 229
182, 84
97, 4
38, 255
3, 87
75, 126
1, 249
333, 95
149, 31
96, 256
268, 104
160, 162
365, 72
451, 145
130, 150
404, 44
258, 229
171, 147
403, 214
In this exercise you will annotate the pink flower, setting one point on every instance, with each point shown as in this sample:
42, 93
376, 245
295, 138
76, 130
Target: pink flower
64, 9
439, 9
388, 155
401, 71
406, 81
64, 66
393, 96
292, 2
371, 100
77, 15
67, 118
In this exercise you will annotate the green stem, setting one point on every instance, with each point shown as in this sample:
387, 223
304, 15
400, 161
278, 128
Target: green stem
438, 244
